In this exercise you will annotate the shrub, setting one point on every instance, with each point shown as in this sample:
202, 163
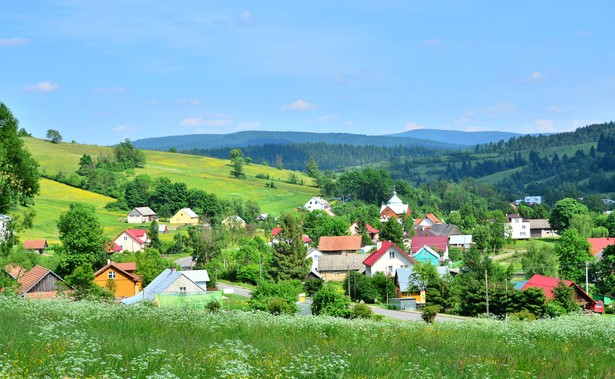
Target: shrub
328, 301
523, 315
214, 306
277, 306
262, 176
429, 313
288, 290
312, 285
554, 309
362, 311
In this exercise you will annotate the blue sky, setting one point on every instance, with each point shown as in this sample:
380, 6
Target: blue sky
100, 72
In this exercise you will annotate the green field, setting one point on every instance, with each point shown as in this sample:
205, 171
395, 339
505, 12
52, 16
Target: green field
58, 339
208, 174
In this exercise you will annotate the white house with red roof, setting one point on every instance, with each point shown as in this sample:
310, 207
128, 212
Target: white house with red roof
132, 240
428, 221
387, 259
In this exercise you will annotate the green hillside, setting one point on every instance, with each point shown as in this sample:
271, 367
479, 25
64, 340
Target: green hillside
208, 174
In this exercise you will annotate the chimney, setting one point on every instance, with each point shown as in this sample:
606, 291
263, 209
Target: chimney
173, 269
108, 261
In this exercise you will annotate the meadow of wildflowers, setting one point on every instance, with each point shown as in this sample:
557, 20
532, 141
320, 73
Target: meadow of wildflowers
63, 339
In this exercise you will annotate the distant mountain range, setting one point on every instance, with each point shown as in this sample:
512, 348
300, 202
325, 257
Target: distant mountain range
428, 138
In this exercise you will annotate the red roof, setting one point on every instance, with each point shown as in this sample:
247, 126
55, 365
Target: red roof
127, 266
275, 232
438, 243
373, 257
114, 248
371, 229
14, 270
306, 238
599, 244
35, 244
547, 284
339, 243
433, 218
32, 277
137, 234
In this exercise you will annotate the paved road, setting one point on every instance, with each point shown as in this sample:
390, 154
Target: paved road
236, 290
410, 315
185, 262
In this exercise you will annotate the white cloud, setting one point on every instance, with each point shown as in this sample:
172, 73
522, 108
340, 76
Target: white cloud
245, 17
120, 128
534, 77
327, 118
545, 125
201, 121
555, 109
7, 42
110, 90
187, 102
299, 105
248, 126
430, 42
44, 86
412, 126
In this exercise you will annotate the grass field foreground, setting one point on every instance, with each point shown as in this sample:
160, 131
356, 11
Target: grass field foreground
80, 339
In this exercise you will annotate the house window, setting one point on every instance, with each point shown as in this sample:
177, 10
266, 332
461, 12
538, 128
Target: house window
125, 238
391, 254
523, 226
111, 275
182, 289
389, 269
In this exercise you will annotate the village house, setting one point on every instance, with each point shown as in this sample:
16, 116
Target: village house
132, 240
120, 278
597, 245
426, 254
340, 244
38, 246
516, 228
394, 208
317, 203
140, 215
276, 231
185, 216
38, 283
547, 284
387, 259
334, 267
438, 244
234, 222
313, 254
540, 228
463, 241
428, 221
372, 233
170, 281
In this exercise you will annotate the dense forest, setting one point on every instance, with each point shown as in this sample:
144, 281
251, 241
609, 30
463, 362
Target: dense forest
329, 156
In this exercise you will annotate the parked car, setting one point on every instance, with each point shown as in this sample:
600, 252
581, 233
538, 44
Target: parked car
598, 307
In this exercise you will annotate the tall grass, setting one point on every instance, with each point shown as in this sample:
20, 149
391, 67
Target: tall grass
66, 339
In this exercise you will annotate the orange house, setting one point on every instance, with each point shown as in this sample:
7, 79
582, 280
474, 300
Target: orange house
120, 278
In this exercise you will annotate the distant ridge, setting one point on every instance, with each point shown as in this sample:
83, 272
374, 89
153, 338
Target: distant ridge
457, 137
259, 138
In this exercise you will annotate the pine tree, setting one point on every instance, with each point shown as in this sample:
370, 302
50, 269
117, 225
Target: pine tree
289, 252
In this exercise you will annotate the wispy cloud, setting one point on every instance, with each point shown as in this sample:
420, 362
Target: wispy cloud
7, 42
534, 77
430, 42
299, 105
201, 121
412, 126
44, 86
124, 128
187, 102
110, 90
545, 125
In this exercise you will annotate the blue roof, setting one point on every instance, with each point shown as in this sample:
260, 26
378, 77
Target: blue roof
519, 285
158, 285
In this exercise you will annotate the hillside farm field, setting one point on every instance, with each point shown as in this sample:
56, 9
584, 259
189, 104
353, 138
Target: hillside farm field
79, 339
208, 174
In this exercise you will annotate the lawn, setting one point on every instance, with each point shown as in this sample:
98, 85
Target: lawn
79, 339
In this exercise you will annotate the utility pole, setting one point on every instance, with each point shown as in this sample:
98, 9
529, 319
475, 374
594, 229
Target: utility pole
587, 277
487, 292
260, 271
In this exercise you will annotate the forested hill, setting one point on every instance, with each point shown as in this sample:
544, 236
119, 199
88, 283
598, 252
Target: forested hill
256, 138
459, 137
328, 156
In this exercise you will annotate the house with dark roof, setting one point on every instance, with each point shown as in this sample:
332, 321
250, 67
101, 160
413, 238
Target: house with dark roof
119, 278
540, 228
132, 240
547, 284
40, 283
140, 215
38, 246
387, 259
335, 267
340, 244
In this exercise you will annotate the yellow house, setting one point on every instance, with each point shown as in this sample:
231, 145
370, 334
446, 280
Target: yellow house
185, 216
119, 278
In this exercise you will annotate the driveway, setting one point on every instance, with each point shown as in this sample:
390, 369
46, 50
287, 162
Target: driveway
410, 315
235, 289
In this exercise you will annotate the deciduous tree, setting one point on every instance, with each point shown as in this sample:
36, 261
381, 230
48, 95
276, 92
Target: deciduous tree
54, 136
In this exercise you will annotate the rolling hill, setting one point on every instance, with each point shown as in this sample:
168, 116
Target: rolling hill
457, 137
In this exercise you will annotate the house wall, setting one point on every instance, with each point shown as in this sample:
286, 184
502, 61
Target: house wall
47, 284
138, 219
314, 204
425, 257
389, 265
517, 229
127, 243
182, 217
124, 285
333, 276
182, 281
388, 213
